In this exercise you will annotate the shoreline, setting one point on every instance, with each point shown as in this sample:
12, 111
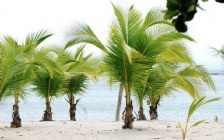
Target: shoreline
105, 130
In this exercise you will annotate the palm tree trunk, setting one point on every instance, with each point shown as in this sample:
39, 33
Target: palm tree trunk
47, 113
119, 103
16, 121
141, 115
72, 109
153, 110
128, 120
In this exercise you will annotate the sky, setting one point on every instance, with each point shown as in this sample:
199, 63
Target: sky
20, 17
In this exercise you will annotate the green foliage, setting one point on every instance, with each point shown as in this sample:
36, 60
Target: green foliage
166, 78
163, 50
81, 32
77, 84
78, 69
121, 56
47, 86
18, 62
193, 107
181, 11
135, 44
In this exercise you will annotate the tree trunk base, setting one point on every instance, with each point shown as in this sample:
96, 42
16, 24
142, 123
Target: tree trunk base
47, 116
153, 113
16, 121
141, 115
72, 112
47, 113
128, 121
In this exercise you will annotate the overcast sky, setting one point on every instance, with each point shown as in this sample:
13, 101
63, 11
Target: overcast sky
20, 17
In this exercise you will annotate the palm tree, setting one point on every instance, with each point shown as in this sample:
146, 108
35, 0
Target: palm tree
78, 70
12, 74
168, 53
47, 87
48, 80
122, 55
177, 77
19, 66
76, 85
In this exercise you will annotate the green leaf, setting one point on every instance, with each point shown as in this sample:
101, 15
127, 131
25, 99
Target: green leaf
197, 123
213, 100
82, 33
180, 126
173, 4
171, 14
120, 15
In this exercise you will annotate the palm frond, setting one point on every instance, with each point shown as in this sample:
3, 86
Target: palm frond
45, 85
82, 33
35, 39
122, 21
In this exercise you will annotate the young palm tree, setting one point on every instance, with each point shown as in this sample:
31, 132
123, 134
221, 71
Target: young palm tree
12, 75
47, 87
76, 85
170, 53
177, 77
48, 79
78, 69
21, 67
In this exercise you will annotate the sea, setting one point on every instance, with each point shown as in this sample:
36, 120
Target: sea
99, 103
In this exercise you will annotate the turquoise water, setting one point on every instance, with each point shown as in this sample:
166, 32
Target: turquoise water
100, 102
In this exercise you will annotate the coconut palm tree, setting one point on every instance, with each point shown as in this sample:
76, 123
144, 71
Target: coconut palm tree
47, 87
177, 77
78, 70
21, 65
171, 51
12, 75
48, 80
76, 85
122, 56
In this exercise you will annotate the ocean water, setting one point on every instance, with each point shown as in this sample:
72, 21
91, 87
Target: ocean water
100, 104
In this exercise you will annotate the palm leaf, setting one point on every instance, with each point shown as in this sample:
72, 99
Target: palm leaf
197, 123
82, 33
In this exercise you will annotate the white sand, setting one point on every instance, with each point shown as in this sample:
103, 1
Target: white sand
143, 130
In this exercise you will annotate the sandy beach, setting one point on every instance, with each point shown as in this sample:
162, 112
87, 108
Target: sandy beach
93, 130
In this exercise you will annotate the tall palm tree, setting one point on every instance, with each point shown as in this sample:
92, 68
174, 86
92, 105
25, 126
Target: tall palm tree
150, 37
20, 65
158, 42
